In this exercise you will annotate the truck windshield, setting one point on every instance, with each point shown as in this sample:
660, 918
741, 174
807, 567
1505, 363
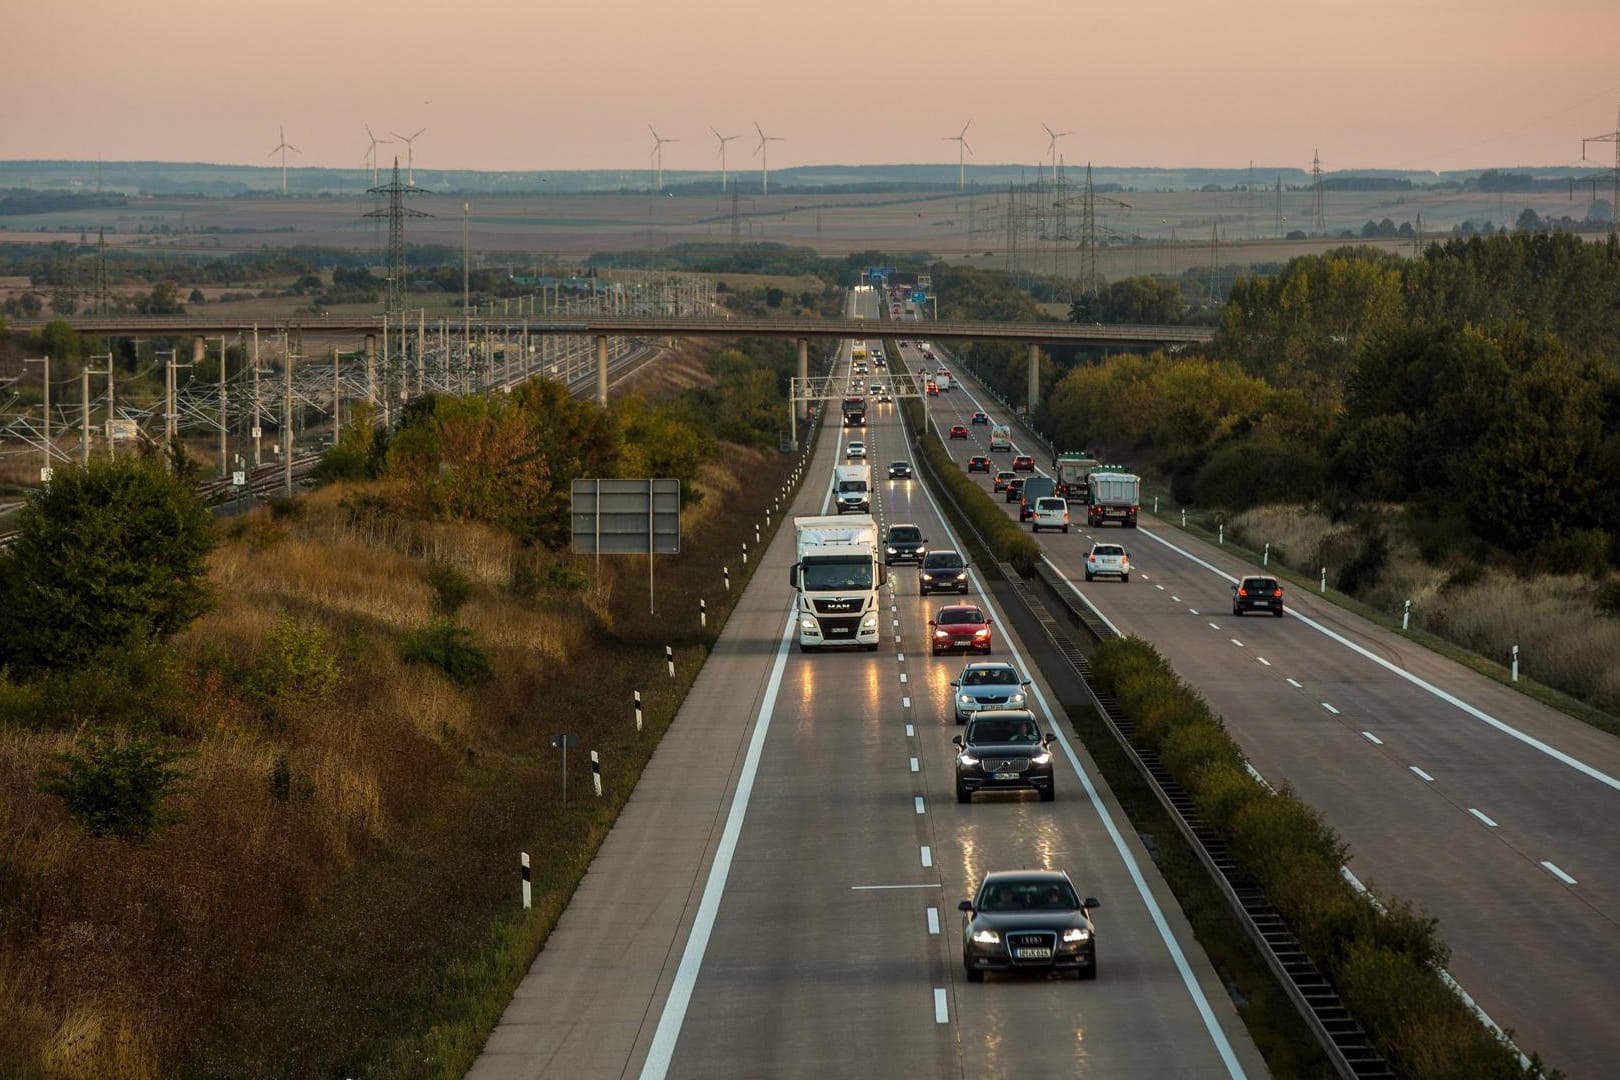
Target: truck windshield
832, 572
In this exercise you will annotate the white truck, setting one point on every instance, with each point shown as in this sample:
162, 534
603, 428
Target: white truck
852, 488
836, 580
944, 380
1113, 496
1000, 439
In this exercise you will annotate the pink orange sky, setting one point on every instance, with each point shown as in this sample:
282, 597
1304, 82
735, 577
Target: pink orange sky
527, 85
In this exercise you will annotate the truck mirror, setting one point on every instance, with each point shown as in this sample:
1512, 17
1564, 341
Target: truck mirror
793, 575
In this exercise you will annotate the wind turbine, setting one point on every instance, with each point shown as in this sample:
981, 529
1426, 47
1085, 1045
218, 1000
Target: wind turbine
410, 155
1051, 148
284, 146
764, 158
658, 153
723, 140
962, 144
371, 155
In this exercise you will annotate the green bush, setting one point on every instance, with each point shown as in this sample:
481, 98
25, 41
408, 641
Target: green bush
1362, 571
341, 463
450, 648
136, 687
116, 786
451, 588
297, 665
1580, 551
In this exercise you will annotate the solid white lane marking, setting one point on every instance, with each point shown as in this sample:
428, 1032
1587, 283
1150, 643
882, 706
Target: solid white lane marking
1421, 774
1330, 708
1370, 737
941, 1012
1262, 781
1178, 957
1559, 874
1295, 685
1236, 642
905, 703
1263, 660
913, 764
680, 991
874, 888
1489, 824
1449, 698
927, 856
933, 920
919, 802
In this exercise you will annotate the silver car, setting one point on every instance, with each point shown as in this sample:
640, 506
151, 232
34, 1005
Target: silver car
987, 685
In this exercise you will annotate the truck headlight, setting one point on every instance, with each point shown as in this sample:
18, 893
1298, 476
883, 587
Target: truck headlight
807, 623
870, 622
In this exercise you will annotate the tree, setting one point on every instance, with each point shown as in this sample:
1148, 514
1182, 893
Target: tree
113, 553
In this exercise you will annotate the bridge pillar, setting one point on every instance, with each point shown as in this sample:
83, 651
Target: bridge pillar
1034, 376
601, 370
804, 378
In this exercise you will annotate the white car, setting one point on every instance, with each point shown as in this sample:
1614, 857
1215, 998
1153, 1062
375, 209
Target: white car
858, 450
1108, 559
1051, 512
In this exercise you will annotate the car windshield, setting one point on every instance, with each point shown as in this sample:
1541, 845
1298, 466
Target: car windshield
904, 534
824, 574
1003, 729
1028, 896
899, 465
943, 560
990, 677
959, 616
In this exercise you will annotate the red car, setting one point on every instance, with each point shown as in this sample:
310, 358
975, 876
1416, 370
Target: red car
933, 388
978, 463
1023, 463
959, 431
959, 626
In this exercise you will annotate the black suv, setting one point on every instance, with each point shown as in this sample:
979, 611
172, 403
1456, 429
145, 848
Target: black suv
942, 571
905, 543
1003, 749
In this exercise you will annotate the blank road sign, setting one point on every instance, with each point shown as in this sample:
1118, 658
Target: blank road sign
626, 517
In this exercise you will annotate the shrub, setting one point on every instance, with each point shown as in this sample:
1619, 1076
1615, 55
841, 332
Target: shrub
450, 648
341, 463
118, 786
1606, 598
1361, 572
286, 508
451, 588
135, 687
1581, 551
296, 665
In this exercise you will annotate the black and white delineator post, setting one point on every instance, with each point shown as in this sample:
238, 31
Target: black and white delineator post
703, 613
638, 710
527, 902
669, 658
596, 773
725, 572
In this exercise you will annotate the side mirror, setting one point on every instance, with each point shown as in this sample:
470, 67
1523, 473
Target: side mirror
956, 740
931, 622
956, 684
1049, 740
966, 905
1091, 902
1027, 682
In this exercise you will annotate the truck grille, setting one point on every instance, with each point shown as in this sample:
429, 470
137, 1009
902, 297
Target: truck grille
840, 629
839, 606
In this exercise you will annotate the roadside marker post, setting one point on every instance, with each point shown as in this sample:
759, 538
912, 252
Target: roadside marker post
1406, 615
703, 613
596, 773
669, 658
725, 572
638, 710
527, 897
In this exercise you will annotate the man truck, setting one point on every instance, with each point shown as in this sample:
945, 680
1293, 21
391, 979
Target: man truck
836, 580
1113, 496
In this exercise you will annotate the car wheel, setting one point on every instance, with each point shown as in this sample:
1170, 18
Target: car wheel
1237, 611
1088, 575
871, 648
1126, 578
1065, 530
963, 794
1048, 793
1277, 612
1035, 529
1089, 972
964, 591
975, 975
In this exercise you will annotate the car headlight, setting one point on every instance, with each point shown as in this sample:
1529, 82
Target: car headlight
967, 758
982, 633
1042, 758
986, 937
928, 577
942, 633
891, 551
964, 699
1016, 699
1075, 933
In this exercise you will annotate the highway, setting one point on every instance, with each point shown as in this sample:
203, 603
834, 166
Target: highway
778, 898
1488, 810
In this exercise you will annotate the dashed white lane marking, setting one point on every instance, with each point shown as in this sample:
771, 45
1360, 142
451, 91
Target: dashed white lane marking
1295, 685
927, 856
919, 803
942, 1013
913, 764
900, 656
1159, 587
1425, 777
1489, 824
896, 622
1263, 660
1192, 611
1177, 599
905, 703
1370, 737
1330, 708
902, 676
933, 920
1557, 873
1214, 626
1236, 642
911, 732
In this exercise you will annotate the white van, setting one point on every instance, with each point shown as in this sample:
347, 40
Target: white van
1000, 438
1051, 512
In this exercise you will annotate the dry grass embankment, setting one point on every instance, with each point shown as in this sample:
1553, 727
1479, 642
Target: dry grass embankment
345, 869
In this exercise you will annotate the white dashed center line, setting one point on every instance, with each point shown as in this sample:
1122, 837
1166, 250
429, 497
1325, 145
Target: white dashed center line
920, 809
1236, 642
933, 920
1489, 824
941, 1011
905, 703
1421, 775
902, 676
1370, 737
1214, 626
911, 732
1325, 705
913, 764
1557, 873
1263, 660
1295, 685
927, 856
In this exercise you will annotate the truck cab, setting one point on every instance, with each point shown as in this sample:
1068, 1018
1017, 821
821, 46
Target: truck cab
836, 579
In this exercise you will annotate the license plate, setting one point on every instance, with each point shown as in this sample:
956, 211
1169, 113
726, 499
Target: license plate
838, 630
1034, 954
1006, 776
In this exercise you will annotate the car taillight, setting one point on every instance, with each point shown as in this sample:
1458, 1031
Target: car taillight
1277, 593
1243, 592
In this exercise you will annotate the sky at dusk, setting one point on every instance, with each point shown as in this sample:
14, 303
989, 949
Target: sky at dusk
531, 86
